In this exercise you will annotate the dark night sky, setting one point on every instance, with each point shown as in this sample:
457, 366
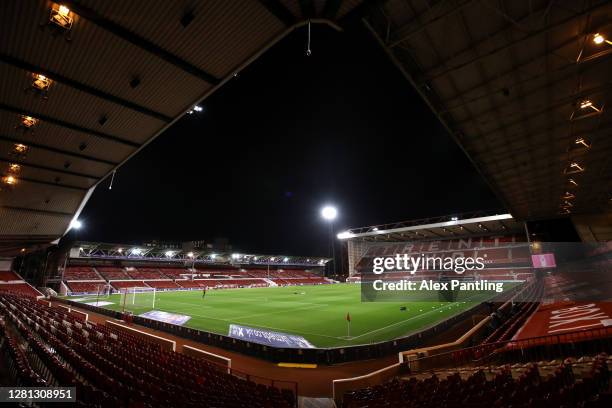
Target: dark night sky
288, 135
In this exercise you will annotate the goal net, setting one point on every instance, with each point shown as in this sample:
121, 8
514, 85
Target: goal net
138, 298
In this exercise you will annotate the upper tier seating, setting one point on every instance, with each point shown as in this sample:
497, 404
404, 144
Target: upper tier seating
111, 368
174, 273
146, 273
80, 273
112, 273
9, 276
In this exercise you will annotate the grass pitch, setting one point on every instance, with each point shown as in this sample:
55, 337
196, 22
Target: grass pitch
318, 313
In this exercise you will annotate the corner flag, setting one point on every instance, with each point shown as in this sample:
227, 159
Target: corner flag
348, 324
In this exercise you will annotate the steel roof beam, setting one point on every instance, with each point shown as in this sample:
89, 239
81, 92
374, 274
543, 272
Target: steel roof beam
424, 25
138, 41
50, 183
40, 167
431, 74
82, 87
36, 211
69, 125
59, 151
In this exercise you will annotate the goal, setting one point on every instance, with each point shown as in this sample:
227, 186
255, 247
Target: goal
138, 298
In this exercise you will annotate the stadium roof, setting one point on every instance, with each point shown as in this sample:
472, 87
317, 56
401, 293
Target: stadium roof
523, 88
161, 253
120, 74
438, 228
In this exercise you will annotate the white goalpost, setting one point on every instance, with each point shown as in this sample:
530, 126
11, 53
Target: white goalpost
138, 297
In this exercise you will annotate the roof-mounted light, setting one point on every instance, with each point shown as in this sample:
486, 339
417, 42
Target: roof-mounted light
28, 122
573, 168
582, 142
60, 17
599, 39
9, 180
14, 168
41, 82
568, 196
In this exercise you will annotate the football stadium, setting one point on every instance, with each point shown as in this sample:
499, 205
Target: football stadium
117, 147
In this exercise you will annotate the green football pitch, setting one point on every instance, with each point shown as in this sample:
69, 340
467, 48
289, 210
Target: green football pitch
318, 313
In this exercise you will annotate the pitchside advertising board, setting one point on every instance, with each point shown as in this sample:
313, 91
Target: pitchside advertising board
268, 338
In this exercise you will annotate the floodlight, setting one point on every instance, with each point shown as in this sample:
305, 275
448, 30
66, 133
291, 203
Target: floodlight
197, 108
375, 229
213, 256
9, 180
169, 254
598, 38
120, 250
63, 11
329, 213
454, 218
255, 258
235, 256
76, 224
136, 251
190, 254
344, 235
285, 259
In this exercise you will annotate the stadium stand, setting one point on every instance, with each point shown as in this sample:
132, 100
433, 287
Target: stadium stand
7, 276
112, 273
174, 273
68, 352
583, 382
118, 285
81, 273
188, 284
145, 273
162, 284
86, 287
19, 288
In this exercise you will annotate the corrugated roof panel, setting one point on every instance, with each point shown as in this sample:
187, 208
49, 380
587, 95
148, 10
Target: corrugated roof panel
48, 176
97, 58
54, 160
42, 197
69, 105
55, 136
222, 34
30, 223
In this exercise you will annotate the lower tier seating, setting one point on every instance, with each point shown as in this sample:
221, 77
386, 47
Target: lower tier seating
20, 288
86, 287
111, 368
571, 383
